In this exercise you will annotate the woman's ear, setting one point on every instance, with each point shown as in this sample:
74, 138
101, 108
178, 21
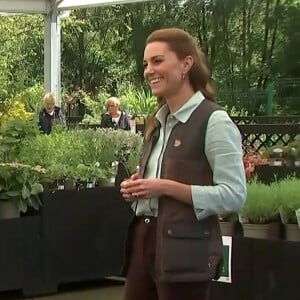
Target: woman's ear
187, 64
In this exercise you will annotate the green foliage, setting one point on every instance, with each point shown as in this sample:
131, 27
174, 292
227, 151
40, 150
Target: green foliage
290, 152
14, 110
21, 53
32, 98
92, 150
262, 205
91, 42
21, 183
294, 149
248, 45
289, 197
234, 112
134, 101
12, 133
94, 106
91, 173
137, 101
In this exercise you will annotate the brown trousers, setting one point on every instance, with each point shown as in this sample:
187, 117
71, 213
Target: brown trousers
140, 283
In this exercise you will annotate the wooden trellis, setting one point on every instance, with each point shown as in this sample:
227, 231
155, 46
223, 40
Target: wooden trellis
266, 120
261, 136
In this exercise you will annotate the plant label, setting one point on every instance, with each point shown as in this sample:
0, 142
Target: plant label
89, 185
283, 216
298, 216
243, 220
132, 126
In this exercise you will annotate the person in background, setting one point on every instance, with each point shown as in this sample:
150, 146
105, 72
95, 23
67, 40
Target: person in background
191, 170
114, 117
50, 114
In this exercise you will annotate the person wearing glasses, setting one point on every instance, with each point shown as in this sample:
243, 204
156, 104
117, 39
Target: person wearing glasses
114, 117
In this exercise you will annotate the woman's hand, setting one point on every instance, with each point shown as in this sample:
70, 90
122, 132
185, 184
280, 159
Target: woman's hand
136, 187
124, 192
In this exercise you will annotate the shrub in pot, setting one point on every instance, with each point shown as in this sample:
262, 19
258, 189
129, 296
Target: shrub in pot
61, 152
20, 186
289, 200
260, 215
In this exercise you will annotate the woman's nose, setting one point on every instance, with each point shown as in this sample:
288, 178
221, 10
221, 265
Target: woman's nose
148, 71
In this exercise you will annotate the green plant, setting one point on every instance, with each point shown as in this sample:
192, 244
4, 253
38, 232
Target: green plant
91, 173
14, 110
294, 149
94, 106
12, 133
234, 112
289, 197
22, 184
61, 152
32, 98
289, 153
137, 101
56, 172
262, 205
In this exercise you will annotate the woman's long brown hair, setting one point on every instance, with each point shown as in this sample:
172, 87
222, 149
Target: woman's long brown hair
183, 44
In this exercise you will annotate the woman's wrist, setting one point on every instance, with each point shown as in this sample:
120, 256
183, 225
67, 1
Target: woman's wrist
177, 190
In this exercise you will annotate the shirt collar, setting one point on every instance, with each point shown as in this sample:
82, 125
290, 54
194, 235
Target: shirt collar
184, 113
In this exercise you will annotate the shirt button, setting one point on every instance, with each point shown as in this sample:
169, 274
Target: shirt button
147, 220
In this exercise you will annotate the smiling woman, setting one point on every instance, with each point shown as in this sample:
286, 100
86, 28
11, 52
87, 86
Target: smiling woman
191, 170
114, 117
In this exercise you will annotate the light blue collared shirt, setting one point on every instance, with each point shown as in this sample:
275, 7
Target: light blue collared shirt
223, 149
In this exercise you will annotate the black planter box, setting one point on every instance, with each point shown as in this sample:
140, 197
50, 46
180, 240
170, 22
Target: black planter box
84, 234
262, 270
79, 236
20, 250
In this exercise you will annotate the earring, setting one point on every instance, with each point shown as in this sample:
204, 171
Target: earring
183, 76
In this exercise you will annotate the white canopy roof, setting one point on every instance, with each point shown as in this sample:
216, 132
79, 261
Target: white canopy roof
45, 6
71, 4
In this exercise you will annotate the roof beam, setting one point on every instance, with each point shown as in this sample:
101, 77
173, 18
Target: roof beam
21, 6
74, 4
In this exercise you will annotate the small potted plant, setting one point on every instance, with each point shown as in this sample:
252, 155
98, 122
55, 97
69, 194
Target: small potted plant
260, 215
228, 223
289, 200
20, 186
70, 178
56, 175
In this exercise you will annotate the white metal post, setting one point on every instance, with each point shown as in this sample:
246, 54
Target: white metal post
52, 54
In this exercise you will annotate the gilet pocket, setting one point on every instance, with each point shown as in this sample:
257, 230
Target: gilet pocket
185, 248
